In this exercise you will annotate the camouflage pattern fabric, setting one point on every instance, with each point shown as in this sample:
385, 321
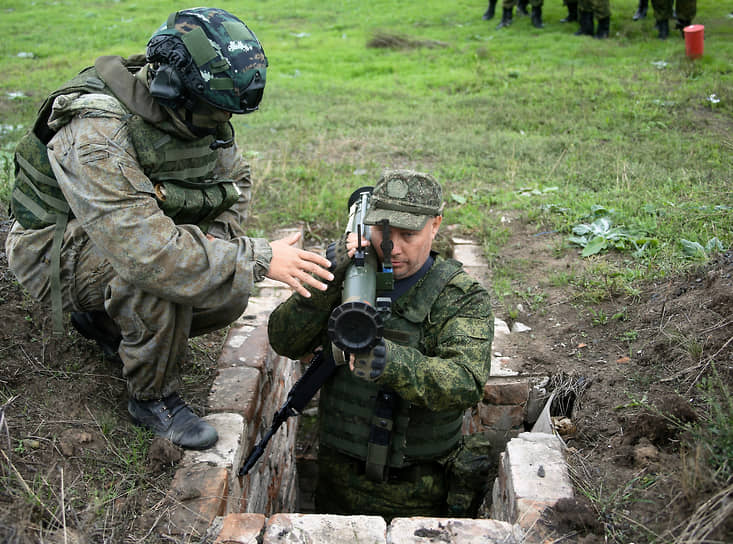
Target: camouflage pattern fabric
442, 366
343, 488
159, 281
227, 55
685, 9
451, 362
471, 470
407, 199
508, 4
599, 8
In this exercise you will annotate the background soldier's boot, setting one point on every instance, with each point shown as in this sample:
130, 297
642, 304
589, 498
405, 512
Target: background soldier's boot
641, 10
663, 27
490, 10
522, 7
537, 17
572, 13
506, 18
681, 24
585, 18
604, 27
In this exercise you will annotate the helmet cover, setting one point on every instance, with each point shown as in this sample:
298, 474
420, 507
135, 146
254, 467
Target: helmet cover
209, 54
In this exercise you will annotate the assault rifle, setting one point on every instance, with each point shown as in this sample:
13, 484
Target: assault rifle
299, 396
354, 326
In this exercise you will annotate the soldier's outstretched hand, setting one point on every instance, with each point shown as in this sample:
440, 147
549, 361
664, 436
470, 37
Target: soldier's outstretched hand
297, 267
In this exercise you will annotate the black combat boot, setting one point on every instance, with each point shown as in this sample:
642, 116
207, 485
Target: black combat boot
171, 418
641, 10
585, 18
604, 27
506, 18
663, 27
537, 17
490, 11
572, 13
522, 7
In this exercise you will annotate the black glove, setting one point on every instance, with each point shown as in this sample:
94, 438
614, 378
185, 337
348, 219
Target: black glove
369, 365
338, 254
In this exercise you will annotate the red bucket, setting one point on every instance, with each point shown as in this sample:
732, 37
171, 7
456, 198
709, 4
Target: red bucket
694, 40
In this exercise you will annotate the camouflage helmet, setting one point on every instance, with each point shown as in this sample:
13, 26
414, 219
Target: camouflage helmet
407, 199
207, 54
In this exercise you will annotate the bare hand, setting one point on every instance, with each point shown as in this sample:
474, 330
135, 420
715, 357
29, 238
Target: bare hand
352, 243
294, 266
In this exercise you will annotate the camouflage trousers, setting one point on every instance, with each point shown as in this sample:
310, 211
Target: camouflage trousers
509, 4
600, 8
154, 331
685, 9
452, 486
343, 488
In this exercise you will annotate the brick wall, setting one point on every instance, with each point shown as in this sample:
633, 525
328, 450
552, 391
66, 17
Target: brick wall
209, 501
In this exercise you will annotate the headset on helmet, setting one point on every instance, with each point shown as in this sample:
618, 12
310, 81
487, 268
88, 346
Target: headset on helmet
207, 54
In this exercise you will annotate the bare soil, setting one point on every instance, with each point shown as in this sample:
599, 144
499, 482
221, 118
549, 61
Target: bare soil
637, 371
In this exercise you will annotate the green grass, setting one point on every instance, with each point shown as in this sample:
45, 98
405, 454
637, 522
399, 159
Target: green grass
568, 122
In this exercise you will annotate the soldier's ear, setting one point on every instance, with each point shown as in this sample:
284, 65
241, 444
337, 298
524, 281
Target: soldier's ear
435, 222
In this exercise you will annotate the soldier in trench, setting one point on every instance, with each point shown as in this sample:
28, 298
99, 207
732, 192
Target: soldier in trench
390, 418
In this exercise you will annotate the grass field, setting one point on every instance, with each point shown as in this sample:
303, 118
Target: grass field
627, 128
621, 146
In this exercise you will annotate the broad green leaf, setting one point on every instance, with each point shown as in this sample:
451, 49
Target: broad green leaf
693, 249
596, 245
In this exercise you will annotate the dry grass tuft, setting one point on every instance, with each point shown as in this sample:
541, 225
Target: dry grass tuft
393, 41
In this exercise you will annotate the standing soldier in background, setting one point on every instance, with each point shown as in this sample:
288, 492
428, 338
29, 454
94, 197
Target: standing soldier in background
490, 11
508, 7
685, 11
640, 12
572, 16
129, 199
590, 9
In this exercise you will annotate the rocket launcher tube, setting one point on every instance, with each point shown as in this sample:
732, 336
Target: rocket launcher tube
356, 325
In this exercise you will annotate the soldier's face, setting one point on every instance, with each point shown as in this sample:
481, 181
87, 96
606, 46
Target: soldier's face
206, 116
411, 247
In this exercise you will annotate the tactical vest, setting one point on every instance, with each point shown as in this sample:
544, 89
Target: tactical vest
181, 170
352, 409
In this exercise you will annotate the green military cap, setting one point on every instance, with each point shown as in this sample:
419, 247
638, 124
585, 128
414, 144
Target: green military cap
406, 198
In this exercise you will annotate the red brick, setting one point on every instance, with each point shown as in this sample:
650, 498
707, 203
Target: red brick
501, 417
199, 495
503, 392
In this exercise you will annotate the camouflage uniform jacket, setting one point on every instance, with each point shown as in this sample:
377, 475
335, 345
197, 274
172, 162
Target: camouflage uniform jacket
113, 204
441, 366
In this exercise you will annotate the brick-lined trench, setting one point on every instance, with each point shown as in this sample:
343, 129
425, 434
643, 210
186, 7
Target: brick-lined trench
212, 503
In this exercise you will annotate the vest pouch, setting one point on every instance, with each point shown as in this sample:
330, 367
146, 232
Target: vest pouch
470, 471
36, 199
197, 206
